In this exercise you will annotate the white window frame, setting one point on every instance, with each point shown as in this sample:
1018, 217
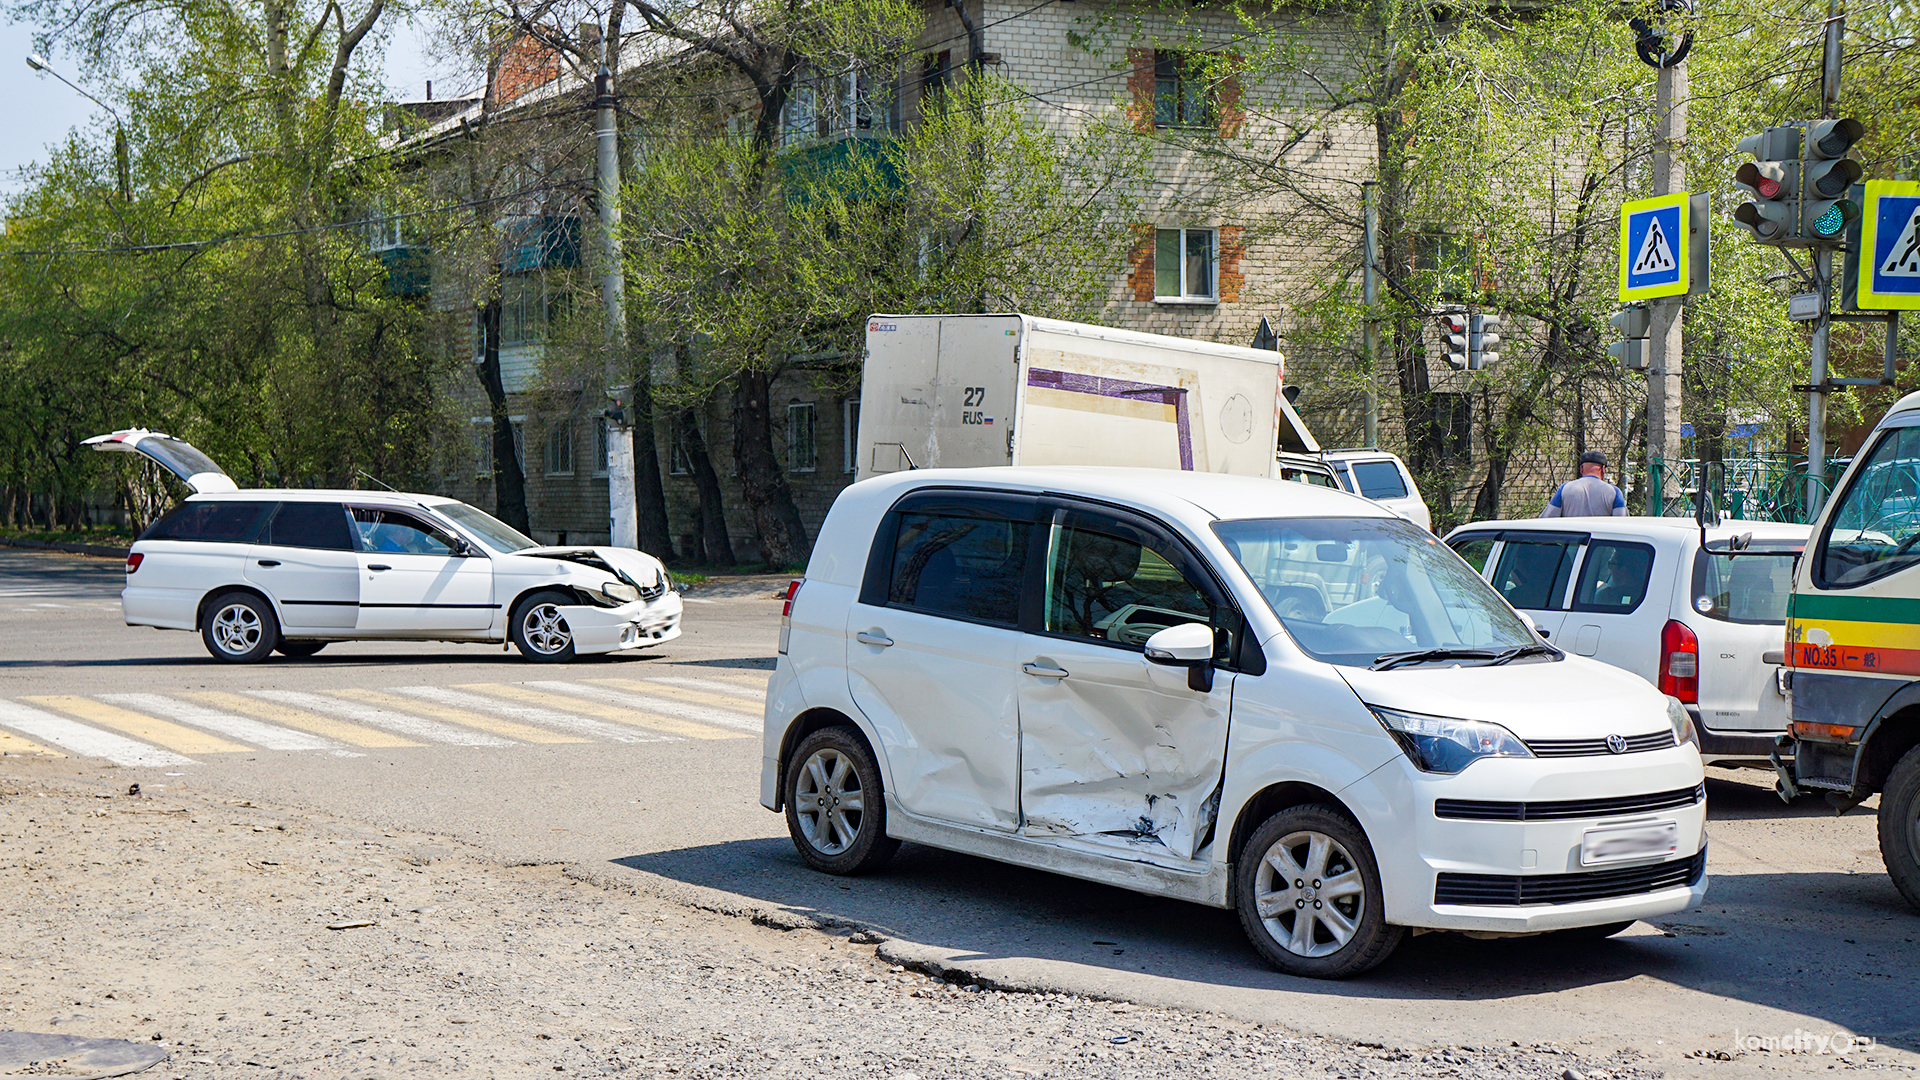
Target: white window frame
1181, 233
850, 435
561, 431
795, 410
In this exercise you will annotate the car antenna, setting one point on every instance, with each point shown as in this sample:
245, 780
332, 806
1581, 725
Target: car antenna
374, 478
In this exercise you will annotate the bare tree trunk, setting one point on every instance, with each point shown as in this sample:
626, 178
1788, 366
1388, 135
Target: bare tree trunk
712, 546
509, 483
656, 534
783, 538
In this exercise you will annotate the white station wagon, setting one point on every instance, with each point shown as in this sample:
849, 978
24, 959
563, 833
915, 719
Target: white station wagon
260, 571
1276, 698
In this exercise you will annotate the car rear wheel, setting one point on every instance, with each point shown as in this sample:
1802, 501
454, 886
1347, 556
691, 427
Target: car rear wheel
299, 648
836, 813
239, 628
1900, 826
1308, 893
539, 628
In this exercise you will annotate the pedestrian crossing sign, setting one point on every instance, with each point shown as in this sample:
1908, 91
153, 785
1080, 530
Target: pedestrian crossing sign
1656, 247
1890, 246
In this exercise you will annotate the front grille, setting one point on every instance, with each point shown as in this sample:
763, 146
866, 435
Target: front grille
1508, 890
1487, 810
1659, 740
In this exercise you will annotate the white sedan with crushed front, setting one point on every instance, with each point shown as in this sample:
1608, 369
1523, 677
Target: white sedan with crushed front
289, 570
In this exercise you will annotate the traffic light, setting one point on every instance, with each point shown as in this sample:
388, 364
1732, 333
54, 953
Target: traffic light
1825, 209
1453, 338
1483, 341
1636, 326
1772, 178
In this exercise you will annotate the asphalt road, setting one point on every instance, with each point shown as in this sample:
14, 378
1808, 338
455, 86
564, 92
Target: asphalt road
645, 768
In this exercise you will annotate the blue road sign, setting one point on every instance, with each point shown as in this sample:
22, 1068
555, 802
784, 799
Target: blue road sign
1655, 253
1890, 246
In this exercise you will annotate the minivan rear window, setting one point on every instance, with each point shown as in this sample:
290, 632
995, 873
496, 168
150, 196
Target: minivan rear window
1748, 586
1379, 480
211, 522
311, 525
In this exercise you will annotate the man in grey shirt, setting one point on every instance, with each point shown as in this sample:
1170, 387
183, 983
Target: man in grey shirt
1590, 495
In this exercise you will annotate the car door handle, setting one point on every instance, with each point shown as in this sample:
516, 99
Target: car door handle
378, 566
865, 637
1044, 672
268, 562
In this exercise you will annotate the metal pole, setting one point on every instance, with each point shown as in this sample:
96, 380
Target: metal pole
1664, 363
1369, 201
1823, 281
623, 513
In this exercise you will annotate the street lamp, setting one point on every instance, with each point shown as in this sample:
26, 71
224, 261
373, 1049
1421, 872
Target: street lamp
39, 63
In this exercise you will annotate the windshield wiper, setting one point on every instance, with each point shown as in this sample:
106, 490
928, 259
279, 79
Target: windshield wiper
1519, 651
1421, 656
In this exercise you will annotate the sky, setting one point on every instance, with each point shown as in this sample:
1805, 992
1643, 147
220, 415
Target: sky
40, 110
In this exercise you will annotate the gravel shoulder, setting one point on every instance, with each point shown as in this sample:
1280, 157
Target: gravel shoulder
257, 941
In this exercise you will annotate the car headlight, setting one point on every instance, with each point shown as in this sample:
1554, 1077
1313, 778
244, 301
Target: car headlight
613, 594
1682, 723
1442, 744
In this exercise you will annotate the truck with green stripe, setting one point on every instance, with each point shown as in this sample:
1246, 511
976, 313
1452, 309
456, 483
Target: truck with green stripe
1851, 666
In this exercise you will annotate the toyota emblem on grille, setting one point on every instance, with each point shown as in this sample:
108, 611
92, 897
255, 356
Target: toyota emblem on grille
1617, 744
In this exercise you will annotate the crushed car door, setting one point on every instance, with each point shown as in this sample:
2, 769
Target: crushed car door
194, 468
1115, 751
415, 577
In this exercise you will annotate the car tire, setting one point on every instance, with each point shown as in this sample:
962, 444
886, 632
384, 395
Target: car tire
1900, 826
239, 628
1592, 933
299, 648
1293, 923
539, 630
836, 811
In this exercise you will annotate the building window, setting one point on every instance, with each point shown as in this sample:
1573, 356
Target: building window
936, 69
1184, 262
603, 447
1181, 96
523, 309
483, 447
850, 437
801, 452
560, 449
679, 462
520, 443
836, 105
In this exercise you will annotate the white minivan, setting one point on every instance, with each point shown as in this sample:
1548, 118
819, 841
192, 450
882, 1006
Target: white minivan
1641, 593
1276, 698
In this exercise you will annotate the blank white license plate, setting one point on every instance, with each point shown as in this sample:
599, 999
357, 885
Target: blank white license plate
1621, 843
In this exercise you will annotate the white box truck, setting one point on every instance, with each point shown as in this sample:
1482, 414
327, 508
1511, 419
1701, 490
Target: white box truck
952, 391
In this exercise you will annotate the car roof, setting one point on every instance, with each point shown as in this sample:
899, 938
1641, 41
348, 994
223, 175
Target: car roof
389, 498
1639, 524
1190, 496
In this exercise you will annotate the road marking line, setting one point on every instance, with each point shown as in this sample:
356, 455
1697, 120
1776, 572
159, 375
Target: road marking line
663, 698
380, 711
83, 740
607, 704
267, 736
533, 708
153, 729
754, 694
352, 734
14, 744
467, 719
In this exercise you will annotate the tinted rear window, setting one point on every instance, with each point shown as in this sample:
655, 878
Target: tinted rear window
211, 522
970, 567
1379, 480
1749, 587
311, 525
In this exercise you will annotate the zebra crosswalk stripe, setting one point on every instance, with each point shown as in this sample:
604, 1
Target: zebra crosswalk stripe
506, 729
14, 744
607, 705
151, 729
265, 736
351, 734
534, 713
84, 740
378, 710
751, 696
673, 700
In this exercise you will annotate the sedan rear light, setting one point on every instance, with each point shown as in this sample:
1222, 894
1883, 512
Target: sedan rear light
786, 612
1679, 663
133, 561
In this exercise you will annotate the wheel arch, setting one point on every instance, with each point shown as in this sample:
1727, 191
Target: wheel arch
1269, 801
807, 723
1887, 740
532, 590
207, 599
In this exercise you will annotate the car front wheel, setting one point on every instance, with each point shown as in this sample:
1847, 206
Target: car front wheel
239, 628
539, 628
836, 813
1308, 893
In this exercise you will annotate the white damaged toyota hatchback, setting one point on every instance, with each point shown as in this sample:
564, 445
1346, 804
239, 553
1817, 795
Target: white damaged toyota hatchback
1269, 697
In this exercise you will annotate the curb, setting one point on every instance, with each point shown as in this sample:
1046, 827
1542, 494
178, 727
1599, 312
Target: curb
102, 550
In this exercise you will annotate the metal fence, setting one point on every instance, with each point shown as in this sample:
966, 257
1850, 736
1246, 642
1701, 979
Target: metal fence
1767, 488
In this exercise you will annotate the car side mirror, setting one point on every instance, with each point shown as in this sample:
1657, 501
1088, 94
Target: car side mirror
1531, 625
1189, 645
461, 547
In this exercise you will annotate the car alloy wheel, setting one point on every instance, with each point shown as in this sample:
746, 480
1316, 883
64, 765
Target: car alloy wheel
829, 801
1308, 892
836, 812
237, 629
545, 629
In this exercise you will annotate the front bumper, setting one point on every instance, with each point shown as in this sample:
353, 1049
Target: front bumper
629, 626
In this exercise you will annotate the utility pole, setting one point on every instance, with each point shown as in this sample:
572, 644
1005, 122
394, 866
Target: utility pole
1369, 200
1823, 284
623, 514
1666, 340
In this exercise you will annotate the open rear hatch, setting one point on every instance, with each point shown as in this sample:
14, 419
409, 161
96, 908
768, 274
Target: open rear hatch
194, 468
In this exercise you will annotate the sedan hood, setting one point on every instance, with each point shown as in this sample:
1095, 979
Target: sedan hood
1573, 698
641, 570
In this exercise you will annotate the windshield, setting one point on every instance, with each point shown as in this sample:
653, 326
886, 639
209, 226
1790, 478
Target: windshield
1875, 530
486, 528
1351, 590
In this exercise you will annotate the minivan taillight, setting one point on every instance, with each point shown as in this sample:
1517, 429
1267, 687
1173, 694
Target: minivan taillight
786, 612
1679, 663
133, 561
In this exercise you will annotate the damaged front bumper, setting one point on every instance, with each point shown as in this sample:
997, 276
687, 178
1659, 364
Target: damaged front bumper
629, 626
